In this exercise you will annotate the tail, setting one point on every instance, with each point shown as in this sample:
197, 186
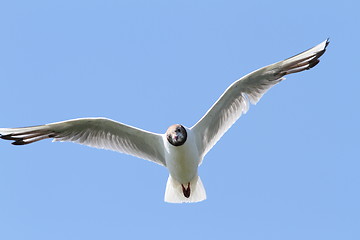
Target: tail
174, 191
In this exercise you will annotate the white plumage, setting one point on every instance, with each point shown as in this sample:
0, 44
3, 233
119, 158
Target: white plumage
180, 149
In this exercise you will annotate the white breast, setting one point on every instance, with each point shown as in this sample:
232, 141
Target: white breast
182, 161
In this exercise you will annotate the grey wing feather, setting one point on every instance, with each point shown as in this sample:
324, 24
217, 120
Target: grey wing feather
94, 132
249, 89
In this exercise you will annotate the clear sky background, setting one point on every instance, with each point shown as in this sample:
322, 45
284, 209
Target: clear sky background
289, 169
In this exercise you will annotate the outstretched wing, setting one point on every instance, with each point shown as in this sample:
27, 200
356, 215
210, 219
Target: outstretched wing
94, 132
248, 89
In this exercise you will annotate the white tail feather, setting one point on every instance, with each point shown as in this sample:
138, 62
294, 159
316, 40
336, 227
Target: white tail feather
174, 192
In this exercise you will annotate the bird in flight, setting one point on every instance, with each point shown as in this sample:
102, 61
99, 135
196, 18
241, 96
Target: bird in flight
181, 149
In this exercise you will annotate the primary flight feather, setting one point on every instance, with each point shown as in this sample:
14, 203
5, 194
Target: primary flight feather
181, 149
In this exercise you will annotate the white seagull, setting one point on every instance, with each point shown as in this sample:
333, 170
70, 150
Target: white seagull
181, 149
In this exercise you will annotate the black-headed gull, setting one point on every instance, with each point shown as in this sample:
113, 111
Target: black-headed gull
181, 149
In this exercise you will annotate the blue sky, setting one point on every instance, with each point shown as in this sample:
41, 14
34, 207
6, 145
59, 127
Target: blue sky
289, 169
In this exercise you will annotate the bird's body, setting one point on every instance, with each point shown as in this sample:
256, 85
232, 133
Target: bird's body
181, 149
182, 161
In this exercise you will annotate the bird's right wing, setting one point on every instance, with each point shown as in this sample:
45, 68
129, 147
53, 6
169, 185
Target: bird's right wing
94, 132
249, 89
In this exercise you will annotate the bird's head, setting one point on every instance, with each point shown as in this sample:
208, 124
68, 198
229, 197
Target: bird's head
176, 135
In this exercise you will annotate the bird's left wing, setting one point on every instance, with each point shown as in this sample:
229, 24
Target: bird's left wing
94, 132
248, 89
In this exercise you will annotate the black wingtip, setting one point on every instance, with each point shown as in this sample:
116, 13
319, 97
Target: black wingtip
313, 63
19, 142
8, 137
327, 43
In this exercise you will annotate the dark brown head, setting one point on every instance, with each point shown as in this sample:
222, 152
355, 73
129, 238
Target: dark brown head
176, 135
